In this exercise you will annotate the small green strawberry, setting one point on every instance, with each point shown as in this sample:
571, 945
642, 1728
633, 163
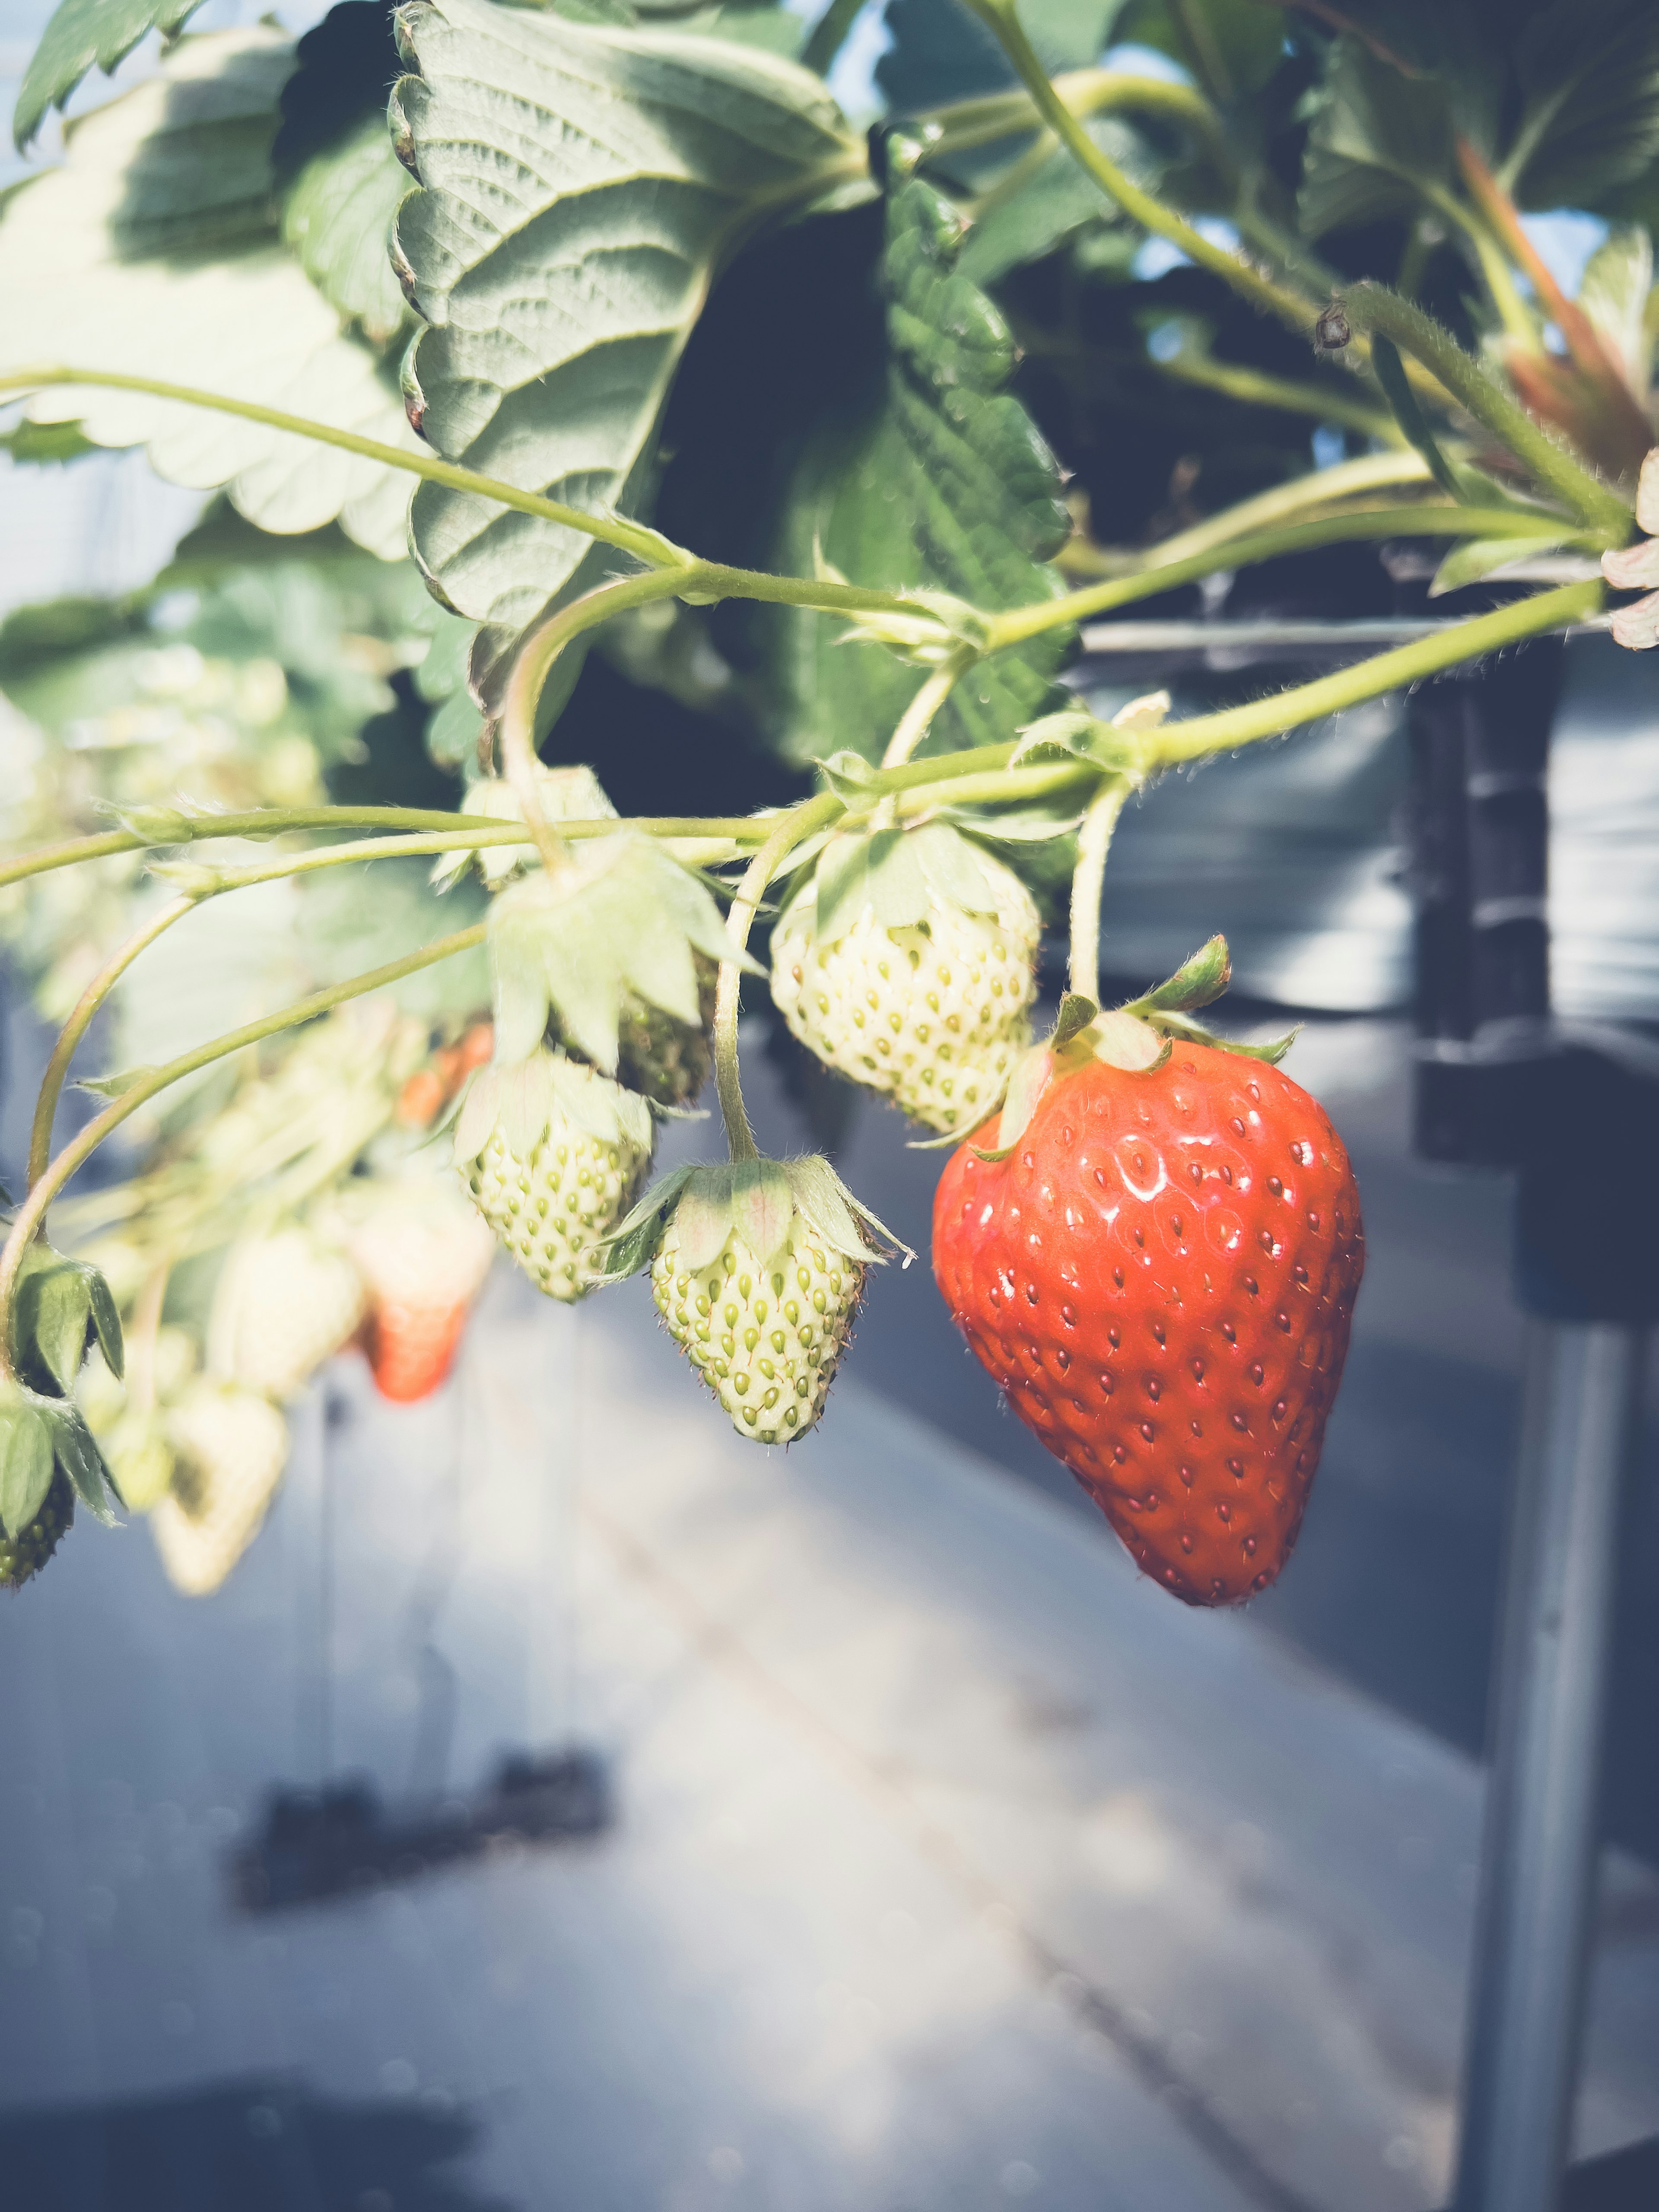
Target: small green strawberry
756, 1269
553, 1153
47, 1459
906, 961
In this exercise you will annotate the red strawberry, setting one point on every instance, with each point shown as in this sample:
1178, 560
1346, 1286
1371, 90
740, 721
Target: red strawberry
424, 1253
1160, 1273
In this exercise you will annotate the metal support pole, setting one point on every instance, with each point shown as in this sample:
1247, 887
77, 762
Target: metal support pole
1540, 1851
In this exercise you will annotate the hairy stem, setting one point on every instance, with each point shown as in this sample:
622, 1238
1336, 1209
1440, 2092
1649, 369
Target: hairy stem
1384, 671
918, 717
1372, 307
1262, 293
793, 829
80, 1021
1094, 841
1417, 521
33, 1212
532, 667
635, 538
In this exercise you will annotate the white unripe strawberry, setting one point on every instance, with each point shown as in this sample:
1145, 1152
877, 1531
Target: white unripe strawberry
553, 1153
757, 1268
911, 969
231, 1446
284, 1303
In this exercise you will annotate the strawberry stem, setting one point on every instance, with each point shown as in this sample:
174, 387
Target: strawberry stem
1094, 841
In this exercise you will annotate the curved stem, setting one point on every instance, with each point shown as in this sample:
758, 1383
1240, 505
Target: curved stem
793, 829
1094, 841
1418, 521
1291, 308
86, 1006
1367, 679
1372, 307
918, 717
532, 667
645, 545
1282, 393
33, 1212
1320, 488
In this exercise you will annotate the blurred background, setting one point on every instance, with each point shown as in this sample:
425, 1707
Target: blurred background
927, 1858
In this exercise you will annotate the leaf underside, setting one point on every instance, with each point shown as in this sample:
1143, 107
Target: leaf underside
153, 250
580, 186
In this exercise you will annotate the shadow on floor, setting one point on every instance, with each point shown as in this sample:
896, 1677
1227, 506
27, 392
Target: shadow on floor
267, 2145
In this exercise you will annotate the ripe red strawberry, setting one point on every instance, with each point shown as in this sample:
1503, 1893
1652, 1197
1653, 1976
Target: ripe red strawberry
1160, 1275
423, 1253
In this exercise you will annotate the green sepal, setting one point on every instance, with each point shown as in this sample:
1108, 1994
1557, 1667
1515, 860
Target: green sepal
523, 1098
624, 920
1076, 1013
1177, 1025
36, 1433
26, 1465
61, 1305
113, 1086
1196, 983
1479, 557
757, 1200
850, 777
1025, 1088
901, 875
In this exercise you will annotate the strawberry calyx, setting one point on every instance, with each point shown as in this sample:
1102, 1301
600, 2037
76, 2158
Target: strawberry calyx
41, 1437
759, 1201
1137, 1038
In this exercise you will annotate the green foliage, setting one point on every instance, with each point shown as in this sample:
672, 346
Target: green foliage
557, 316
81, 34
947, 487
1378, 141
153, 250
1232, 47
940, 52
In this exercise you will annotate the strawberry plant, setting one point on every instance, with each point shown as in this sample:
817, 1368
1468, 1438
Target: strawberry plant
650, 505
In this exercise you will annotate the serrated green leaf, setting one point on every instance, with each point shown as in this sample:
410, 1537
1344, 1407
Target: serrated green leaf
556, 314
79, 35
1060, 199
1589, 73
1377, 140
153, 250
338, 170
948, 487
1475, 558
26, 1465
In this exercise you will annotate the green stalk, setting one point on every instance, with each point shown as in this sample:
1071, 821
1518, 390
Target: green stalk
1417, 521
33, 1212
793, 829
1372, 307
969, 123
1347, 480
532, 667
1280, 393
80, 1021
918, 717
645, 545
1094, 840
1290, 308
265, 822
1384, 672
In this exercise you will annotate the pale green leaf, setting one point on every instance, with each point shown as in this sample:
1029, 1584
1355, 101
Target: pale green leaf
581, 184
153, 250
82, 34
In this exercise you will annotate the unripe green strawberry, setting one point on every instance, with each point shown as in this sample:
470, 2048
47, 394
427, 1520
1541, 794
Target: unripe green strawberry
667, 1060
284, 1303
27, 1551
765, 1338
909, 966
757, 1268
232, 1447
553, 1153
